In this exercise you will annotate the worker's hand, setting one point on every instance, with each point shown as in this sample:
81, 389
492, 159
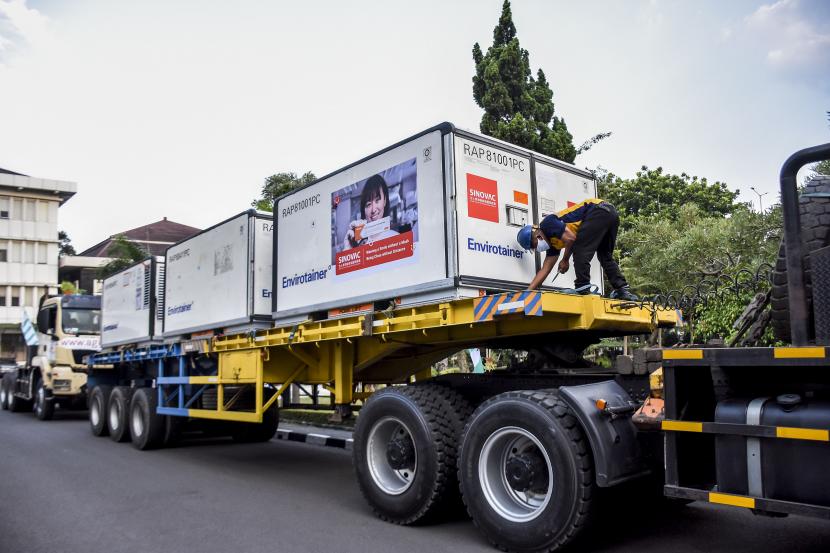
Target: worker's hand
564, 265
351, 241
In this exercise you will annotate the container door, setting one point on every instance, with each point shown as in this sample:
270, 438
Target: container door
557, 189
263, 266
207, 281
493, 194
372, 231
127, 311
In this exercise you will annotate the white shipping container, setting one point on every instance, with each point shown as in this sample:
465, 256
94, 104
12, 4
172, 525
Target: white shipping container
432, 217
220, 279
132, 304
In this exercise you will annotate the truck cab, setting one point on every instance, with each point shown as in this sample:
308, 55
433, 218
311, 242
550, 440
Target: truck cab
68, 328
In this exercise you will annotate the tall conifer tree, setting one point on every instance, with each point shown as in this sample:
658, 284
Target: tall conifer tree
517, 107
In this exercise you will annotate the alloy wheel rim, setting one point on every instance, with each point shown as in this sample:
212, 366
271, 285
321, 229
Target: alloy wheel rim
508, 445
41, 397
115, 414
137, 422
95, 413
391, 480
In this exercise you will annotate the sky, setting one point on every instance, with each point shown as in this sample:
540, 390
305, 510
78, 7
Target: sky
180, 109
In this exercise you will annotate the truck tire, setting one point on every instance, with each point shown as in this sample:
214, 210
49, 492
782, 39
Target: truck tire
257, 432
98, 400
16, 404
526, 471
815, 229
147, 428
117, 414
4, 392
405, 450
172, 430
44, 406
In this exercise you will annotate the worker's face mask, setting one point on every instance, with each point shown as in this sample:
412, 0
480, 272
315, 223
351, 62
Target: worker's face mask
542, 246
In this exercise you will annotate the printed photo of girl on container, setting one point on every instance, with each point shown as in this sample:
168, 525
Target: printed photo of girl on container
374, 208
374, 213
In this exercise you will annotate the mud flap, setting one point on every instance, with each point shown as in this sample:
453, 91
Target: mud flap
618, 455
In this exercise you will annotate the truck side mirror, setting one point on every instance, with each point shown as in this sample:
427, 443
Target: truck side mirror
43, 320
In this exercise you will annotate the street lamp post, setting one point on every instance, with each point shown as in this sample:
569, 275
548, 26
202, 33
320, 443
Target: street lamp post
760, 201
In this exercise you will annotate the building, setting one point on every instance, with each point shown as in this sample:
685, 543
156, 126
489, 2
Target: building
154, 238
83, 270
28, 250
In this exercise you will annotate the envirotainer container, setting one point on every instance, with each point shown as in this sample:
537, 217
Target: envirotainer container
432, 217
133, 304
220, 279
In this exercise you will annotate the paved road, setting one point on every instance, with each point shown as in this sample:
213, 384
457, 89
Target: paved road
62, 490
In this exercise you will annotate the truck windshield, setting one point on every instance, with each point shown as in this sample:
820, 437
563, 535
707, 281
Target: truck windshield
81, 321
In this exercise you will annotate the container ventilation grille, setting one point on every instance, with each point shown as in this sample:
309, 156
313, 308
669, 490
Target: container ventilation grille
147, 277
160, 292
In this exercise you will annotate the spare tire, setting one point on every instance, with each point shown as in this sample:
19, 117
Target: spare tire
815, 234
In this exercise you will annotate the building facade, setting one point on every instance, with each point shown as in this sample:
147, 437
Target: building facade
28, 250
84, 270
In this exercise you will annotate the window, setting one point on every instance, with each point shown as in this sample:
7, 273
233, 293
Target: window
4, 254
28, 252
29, 213
15, 296
42, 211
17, 209
41, 253
4, 207
2, 296
15, 252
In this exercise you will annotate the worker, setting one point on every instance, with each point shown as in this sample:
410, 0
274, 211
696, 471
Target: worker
584, 229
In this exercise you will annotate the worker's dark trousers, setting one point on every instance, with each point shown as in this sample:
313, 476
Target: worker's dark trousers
598, 234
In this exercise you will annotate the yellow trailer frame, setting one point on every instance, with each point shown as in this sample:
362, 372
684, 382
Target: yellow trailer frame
392, 347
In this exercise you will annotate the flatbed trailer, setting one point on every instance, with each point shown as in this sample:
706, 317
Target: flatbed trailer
370, 348
525, 448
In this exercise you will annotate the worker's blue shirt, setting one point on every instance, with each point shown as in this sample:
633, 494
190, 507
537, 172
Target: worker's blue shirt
554, 225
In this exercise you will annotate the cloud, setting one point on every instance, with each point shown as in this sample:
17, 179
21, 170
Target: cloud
793, 33
20, 27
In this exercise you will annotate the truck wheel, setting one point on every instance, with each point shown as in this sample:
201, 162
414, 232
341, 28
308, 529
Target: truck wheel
172, 430
526, 471
815, 229
146, 426
404, 454
117, 414
16, 405
257, 432
98, 409
44, 407
4, 392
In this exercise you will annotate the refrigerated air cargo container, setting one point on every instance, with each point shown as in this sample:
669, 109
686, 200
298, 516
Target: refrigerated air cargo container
220, 279
133, 304
433, 217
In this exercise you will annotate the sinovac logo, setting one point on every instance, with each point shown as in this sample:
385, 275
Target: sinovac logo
485, 198
482, 198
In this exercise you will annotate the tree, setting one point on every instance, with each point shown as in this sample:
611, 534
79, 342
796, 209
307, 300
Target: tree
65, 246
822, 167
671, 253
652, 192
125, 253
279, 184
518, 108
689, 254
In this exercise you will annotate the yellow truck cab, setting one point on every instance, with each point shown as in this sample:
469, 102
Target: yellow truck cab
68, 328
